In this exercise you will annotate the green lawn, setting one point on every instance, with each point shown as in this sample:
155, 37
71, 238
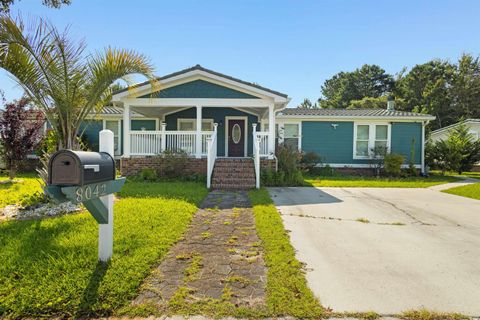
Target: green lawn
374, 182
469, 191
49, 267
469, 174
287, 290
21, 192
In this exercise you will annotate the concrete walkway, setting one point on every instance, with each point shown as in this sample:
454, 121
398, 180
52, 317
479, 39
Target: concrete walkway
464, 182
219, 257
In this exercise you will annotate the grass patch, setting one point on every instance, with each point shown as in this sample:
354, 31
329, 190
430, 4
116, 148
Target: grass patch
374, 182
469, 191
49, 267
424, 314
24, 192
363, 220
468, 174
287, 290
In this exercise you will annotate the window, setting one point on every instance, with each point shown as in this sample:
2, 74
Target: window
363, 133
291, 134
114, 126
190, 124
370, 138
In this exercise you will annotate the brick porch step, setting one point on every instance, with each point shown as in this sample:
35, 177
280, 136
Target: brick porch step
233, 174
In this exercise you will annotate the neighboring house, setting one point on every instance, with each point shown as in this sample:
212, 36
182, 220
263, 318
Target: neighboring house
222, 123
473, 126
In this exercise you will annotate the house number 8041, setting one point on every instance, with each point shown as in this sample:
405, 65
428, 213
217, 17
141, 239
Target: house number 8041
90, 192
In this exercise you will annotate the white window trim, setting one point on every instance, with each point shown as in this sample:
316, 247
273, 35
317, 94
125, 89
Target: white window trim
371, 138
194, 122
281, 131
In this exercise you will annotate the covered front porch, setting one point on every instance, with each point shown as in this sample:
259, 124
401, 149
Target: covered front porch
232, 131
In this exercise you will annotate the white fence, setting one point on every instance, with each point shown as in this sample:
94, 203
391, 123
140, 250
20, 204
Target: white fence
148, 143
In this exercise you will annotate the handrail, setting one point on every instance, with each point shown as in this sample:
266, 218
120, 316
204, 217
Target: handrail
211, 154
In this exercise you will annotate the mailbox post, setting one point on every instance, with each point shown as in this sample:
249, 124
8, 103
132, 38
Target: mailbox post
88, 178
105, 231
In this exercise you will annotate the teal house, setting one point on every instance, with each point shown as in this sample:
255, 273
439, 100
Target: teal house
215, 118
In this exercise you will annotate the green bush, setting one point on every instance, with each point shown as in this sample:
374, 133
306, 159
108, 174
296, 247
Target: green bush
309, 161
148, 174
459, 152
288, 173
393, 164
173, 163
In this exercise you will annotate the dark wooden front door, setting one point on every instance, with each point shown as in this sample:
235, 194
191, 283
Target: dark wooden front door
236, 138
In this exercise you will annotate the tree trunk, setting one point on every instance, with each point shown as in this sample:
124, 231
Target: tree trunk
12, 170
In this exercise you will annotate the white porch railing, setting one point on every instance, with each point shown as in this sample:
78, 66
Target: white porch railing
263, 145
256, 155
148, 143
211, 154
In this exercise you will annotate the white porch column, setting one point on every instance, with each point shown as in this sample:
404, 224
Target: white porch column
199, 133
163, 145
271, 131
126, 131
423, 147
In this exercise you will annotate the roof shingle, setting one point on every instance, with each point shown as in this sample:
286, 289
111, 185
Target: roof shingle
370, 113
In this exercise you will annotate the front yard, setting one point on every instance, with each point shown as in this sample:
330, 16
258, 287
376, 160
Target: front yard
49, 267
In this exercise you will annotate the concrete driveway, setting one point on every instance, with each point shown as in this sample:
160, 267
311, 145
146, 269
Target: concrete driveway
420, 247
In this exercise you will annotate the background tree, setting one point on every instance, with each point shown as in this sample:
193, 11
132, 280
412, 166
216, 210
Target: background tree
19, 132
59, 77
5, 4
307, 104
425, 89
345, 87
465, 89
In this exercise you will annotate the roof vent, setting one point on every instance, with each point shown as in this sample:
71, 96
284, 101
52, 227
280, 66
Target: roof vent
391, 103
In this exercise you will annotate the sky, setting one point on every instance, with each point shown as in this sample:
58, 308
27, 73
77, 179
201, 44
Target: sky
288, 46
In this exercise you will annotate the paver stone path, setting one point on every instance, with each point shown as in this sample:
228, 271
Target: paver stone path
220, 256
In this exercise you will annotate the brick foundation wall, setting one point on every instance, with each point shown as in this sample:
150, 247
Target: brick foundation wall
268, 164
133, 166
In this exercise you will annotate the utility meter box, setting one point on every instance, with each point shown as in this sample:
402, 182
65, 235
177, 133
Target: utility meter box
79, 168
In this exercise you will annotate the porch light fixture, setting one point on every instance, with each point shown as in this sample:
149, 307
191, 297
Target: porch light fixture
334, 126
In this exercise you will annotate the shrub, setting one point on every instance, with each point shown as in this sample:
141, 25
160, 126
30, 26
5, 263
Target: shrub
173, 163
309, 161
288, 167
148, 174
393, 164
459, 152
325, 170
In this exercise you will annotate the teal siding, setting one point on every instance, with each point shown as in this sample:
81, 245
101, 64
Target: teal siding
336, 145
403, 135
199, 89
91, 129
333, 145
218, 115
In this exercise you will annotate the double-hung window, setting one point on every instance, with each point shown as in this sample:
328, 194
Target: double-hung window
371, 139
291, 135
190, 124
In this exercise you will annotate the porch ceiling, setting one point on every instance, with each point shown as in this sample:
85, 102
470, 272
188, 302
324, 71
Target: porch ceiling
159, 112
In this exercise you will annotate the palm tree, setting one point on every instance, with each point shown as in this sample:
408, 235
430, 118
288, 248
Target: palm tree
59, 77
